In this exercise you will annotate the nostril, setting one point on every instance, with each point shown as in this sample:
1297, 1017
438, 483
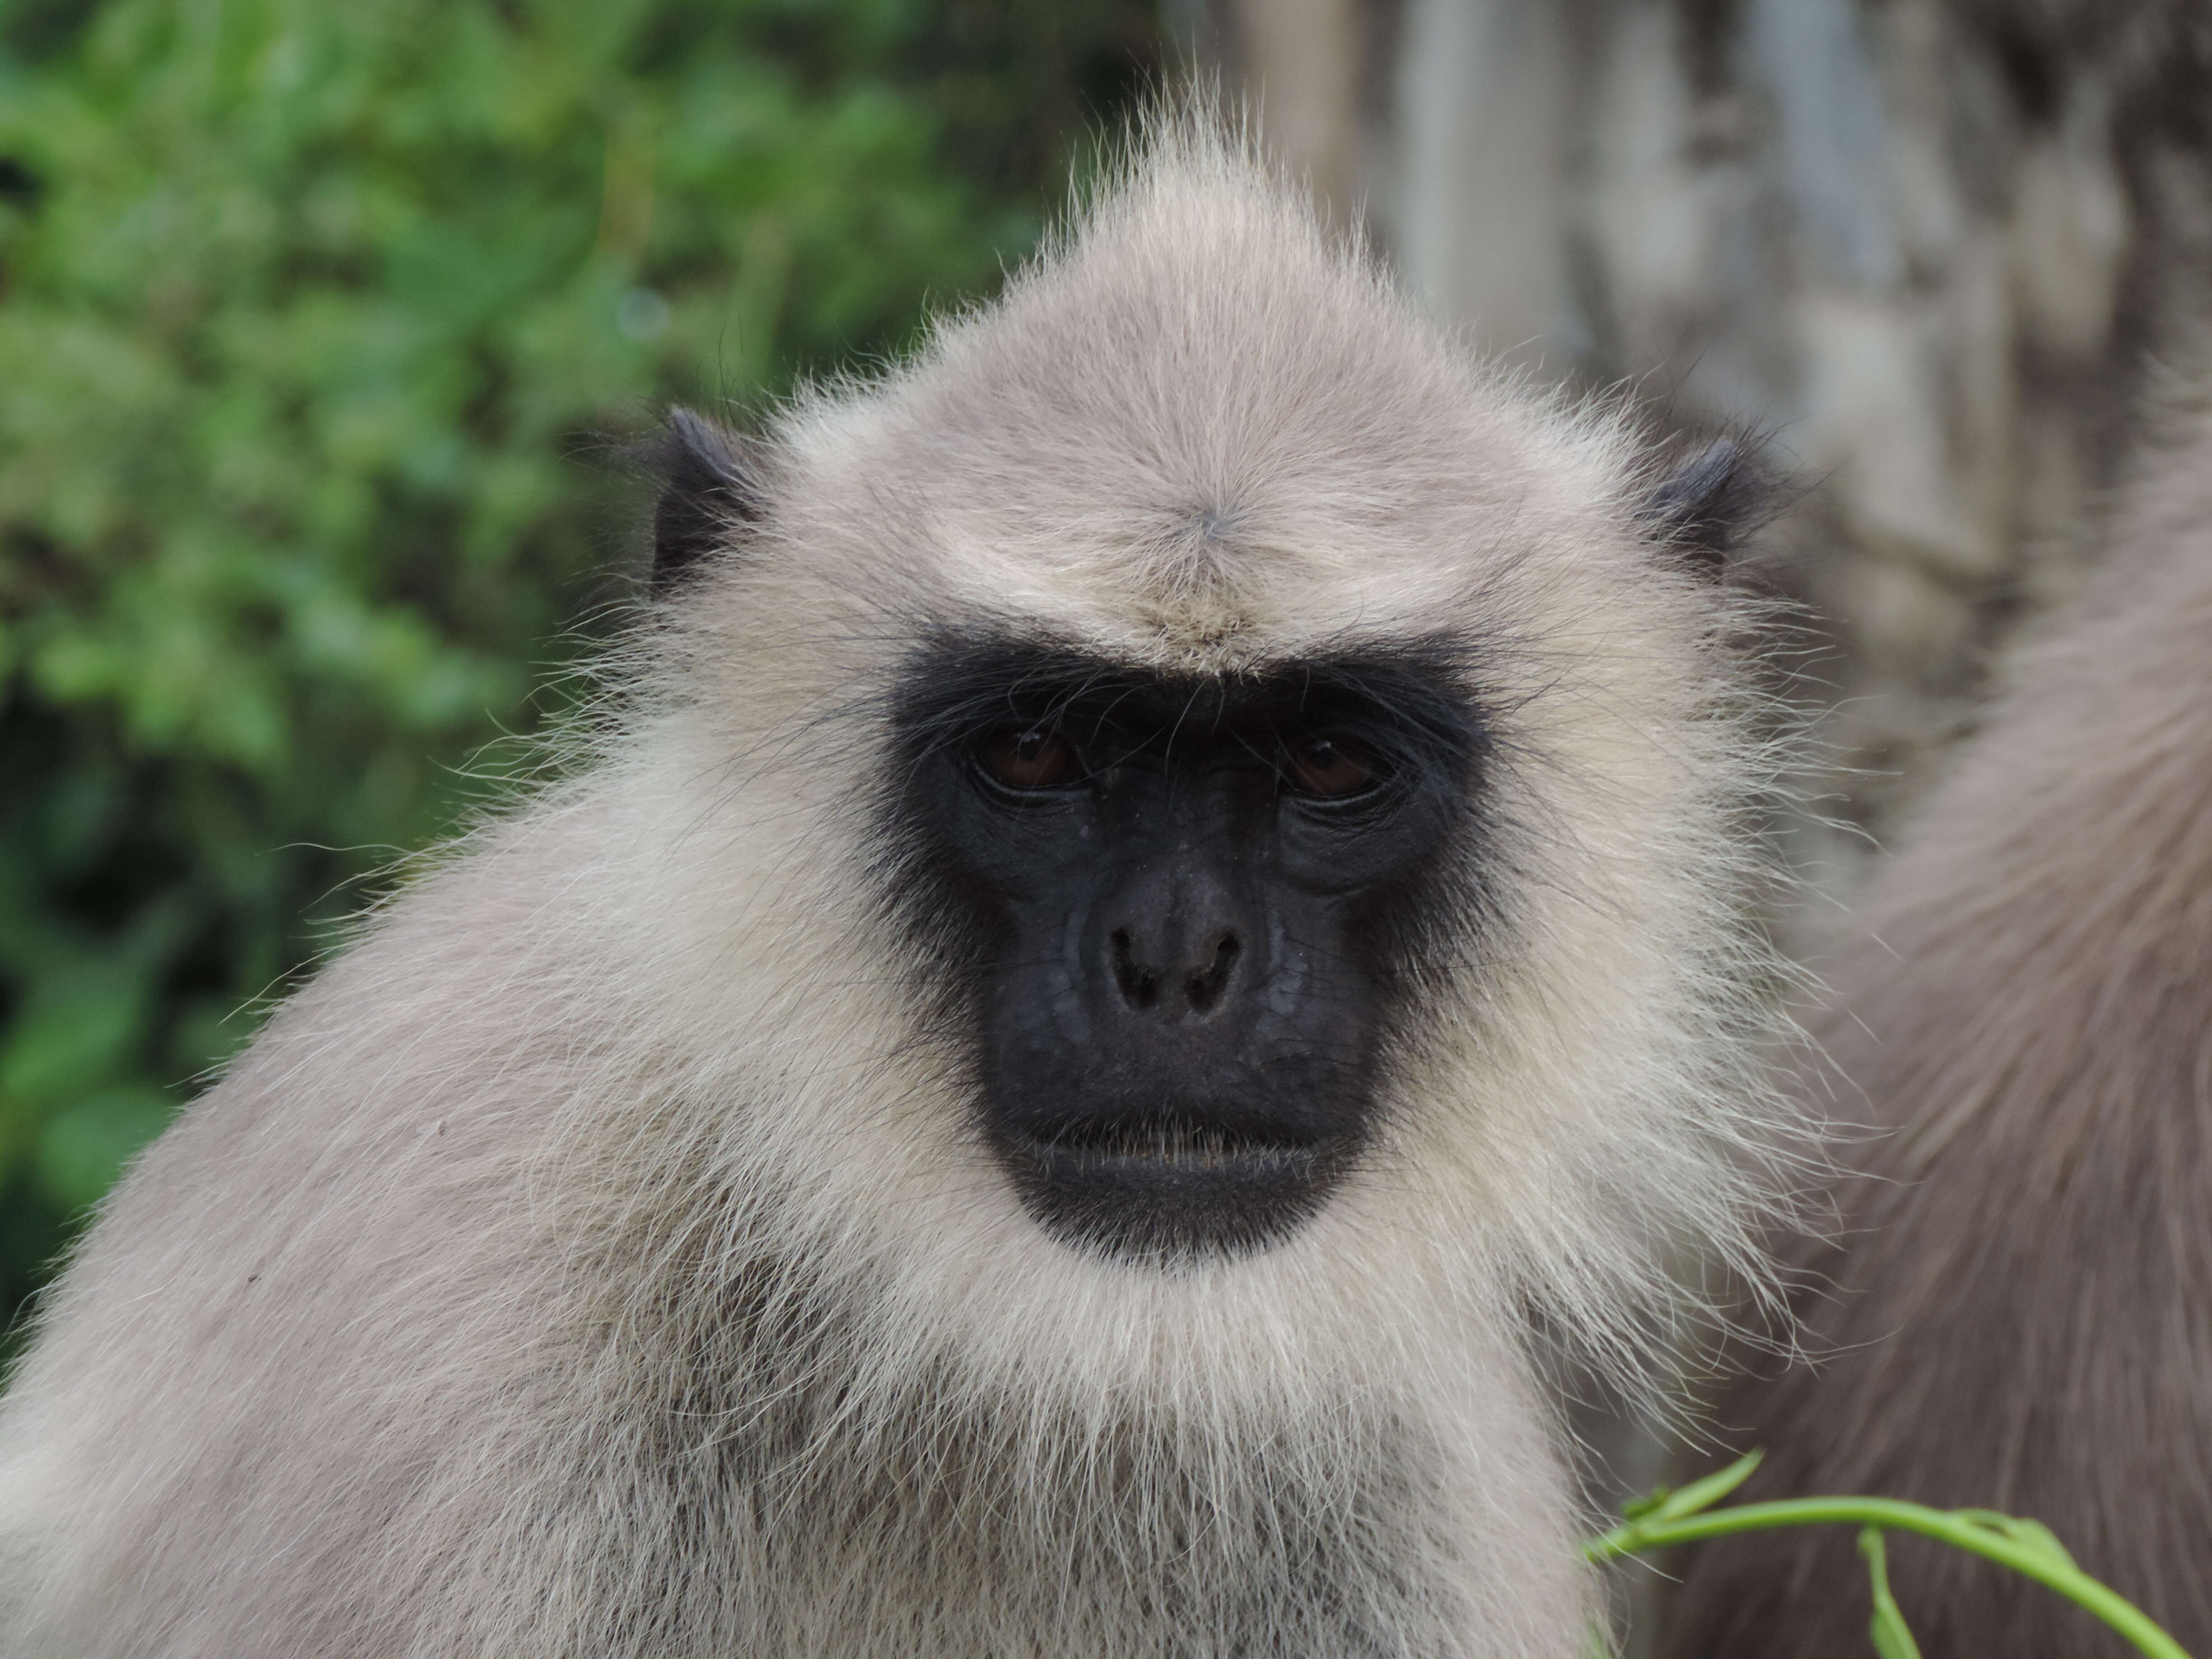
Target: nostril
1140, 986
1205, 988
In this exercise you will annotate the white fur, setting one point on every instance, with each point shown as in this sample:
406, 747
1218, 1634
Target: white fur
600, 1259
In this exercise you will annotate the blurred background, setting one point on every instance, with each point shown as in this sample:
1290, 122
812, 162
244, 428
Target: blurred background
319, 319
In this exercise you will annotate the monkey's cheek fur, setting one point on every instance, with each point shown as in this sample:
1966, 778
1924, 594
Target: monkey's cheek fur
1168, 1193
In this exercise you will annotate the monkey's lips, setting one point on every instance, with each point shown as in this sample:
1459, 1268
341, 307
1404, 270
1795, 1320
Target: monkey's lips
1175, 1185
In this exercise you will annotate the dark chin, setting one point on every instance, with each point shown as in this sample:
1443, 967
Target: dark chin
1166, 1195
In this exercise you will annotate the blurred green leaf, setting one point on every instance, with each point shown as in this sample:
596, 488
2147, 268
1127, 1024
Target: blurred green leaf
1891, 1639
2032, 1534
1703, 1494
86, 1145
72, 1033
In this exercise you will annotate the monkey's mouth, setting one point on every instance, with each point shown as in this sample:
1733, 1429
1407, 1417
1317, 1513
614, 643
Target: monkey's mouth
1170, 1185
1171, 1141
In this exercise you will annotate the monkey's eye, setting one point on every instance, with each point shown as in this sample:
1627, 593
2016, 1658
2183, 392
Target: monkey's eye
1030, 759
1329, 769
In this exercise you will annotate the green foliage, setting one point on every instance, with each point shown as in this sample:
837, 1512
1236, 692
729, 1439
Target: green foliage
1667, 1518
306, 311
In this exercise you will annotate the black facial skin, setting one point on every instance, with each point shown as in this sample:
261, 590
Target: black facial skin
1181, 914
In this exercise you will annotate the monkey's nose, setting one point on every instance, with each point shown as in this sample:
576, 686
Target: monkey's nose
1172, 982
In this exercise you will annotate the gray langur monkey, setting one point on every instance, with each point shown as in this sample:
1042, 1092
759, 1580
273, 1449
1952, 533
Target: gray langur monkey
1167, 881
2015, 1311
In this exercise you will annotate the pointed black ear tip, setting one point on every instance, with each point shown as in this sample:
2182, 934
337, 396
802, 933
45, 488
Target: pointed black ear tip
1713, 500
693, 452
710, 488
688, 432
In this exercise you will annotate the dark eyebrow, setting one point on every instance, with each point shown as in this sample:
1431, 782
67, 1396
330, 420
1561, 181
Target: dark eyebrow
1410, 699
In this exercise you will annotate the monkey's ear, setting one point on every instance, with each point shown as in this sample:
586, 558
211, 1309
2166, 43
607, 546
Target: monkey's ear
1708, 504
710, 488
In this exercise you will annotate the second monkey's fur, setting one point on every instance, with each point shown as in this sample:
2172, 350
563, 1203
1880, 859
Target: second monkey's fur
2016, 1313
603, 1259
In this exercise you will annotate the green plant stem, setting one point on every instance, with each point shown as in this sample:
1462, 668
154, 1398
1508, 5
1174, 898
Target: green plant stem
1894, 1515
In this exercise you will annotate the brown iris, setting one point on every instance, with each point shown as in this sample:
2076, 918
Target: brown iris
1328, 768
1032, 759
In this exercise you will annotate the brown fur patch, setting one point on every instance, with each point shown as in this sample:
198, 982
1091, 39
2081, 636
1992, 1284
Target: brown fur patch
2021, 1310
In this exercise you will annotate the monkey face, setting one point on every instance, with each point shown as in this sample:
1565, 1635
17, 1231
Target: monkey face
1181, 911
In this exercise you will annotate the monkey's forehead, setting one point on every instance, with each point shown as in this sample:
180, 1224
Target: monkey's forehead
1202, 426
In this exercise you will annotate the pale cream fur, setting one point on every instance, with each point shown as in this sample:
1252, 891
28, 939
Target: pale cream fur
601, 1259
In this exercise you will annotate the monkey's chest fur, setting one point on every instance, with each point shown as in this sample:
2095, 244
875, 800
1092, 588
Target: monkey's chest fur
790, 1516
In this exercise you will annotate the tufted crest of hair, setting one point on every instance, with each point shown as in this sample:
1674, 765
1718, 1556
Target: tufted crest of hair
601, 1258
